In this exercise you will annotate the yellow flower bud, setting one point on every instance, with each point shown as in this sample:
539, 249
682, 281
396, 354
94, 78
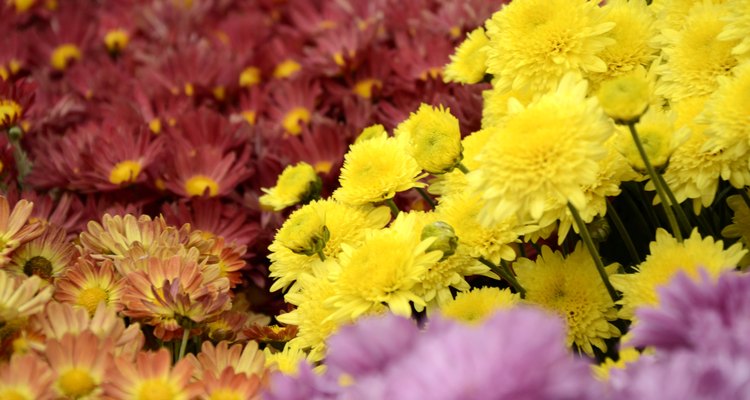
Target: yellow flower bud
445, 238
625, 98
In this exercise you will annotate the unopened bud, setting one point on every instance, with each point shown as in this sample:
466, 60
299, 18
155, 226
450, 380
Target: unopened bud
445, 238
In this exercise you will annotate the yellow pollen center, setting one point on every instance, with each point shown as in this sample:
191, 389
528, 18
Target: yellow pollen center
91, 297
250, 76
76, 382
294, 119
286, 69
116, 40
13, 394
434, 73
125, 172
156, 389
327, 24
189, 89
155, 126
10, 111
455, 32
249, 116
323, 167
338, 58
14, 66
22, 5
220, 93
224, 394
197, 185
4, 74
63, 55
364, 87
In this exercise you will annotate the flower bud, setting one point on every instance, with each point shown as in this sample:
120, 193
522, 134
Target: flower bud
625, 98
296, 184
445, 238
434, 139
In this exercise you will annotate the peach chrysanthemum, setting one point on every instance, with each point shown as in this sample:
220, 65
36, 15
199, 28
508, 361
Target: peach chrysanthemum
151, 376
87, 285
15, 228
114, 237
21, 297
240, 359
26, 377
80, 363
534, 43
48, 256
227, 385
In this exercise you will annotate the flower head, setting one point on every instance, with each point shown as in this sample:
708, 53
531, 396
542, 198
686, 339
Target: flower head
86, 285
296, 184
668, 257
434, 138
469, 63
26, 377
47, 256
151, 376
477, 305
534, 43
572, 288
21, 297
625, 98
15, 227
659, 137
80, 363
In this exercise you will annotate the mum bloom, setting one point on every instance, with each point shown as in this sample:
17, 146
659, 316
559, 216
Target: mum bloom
297, 184
26, 377
375, 170
151, 376
434, 138
534, 43
87, 284
545, 151
21, 297
14, 226
469, 63
668, 257
80, 362
572, 288
478, 304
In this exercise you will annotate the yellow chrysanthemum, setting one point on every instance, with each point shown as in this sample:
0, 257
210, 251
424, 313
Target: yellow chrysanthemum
727, 114
634, 29
667, 258
434, 138
627, 356
375, 170
659, 136
372, 131
495, 105
572, 288
296, 184
548, 149
345, 224
625, 98
384, 269
740, 226
455, 181
285, 361
695, 58
534, 43
738, 27
469, 63
478, 304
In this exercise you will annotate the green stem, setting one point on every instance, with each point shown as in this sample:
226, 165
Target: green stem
392, 205
183, 345
615, 218
426, 197
681, 216
461, 167
321, 255
660, 191
505, 275
586, 236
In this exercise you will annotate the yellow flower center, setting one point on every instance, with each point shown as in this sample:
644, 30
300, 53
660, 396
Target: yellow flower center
63, 55
38, 266
338, 58
197, 185
125, 172
323, 166
156, 389
327, 24
4, 74
155, 126
434, 73
220, 93
286, 69
224, 394
14, 66
249, 116
455, 32
76, 382
189, 89
9, 111
250, 76
116, 40
13, 394
22, 5
364, 87
294, 119
91, 297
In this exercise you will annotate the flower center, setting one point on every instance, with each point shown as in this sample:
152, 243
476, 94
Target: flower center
156, 389
76, 382
10, 111
323, 166
12, 394
286, 69
364, 87
125, 172
38, 266
250, 76
63, 55
116, 40
224, 394
91, 297
155, 126
22, 5
294, 119
249, 116
197, 185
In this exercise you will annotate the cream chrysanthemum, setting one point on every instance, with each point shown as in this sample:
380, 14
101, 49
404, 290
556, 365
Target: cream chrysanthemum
345, 225
375, 170
634, 29
695, 57
476, 305
667, 258
549, 149
469, 63
572, 288
534, 43
296, 184
384, 269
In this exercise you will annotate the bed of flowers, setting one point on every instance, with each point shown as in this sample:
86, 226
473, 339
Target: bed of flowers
295, 199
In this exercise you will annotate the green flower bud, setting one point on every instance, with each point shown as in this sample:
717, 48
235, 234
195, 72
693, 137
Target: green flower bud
446, 239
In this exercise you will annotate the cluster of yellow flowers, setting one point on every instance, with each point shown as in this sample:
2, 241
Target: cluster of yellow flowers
581, 97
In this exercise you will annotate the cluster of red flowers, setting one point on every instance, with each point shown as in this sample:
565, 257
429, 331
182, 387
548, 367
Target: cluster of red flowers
188, 108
